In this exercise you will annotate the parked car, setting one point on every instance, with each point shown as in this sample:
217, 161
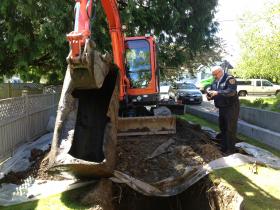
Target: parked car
188, 93
256, 87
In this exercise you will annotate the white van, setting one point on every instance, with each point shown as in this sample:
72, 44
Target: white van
256, 87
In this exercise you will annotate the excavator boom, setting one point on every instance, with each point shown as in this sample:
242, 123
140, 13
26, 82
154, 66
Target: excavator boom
78, 38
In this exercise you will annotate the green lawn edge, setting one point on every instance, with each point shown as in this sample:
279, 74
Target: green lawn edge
258, 191
269, 104
69, 200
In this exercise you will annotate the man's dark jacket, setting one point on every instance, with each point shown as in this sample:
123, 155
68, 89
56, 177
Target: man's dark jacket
227, 91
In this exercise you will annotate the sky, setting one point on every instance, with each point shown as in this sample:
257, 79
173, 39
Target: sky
228, 13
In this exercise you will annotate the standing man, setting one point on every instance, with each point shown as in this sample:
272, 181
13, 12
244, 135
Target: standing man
223, 92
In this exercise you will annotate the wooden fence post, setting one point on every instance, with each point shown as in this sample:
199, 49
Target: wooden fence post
9, 90
27, 117
53, 103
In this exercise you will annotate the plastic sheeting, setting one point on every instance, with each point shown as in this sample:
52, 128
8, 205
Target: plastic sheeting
260, 154
175, 185
33, 189
212, 133
20, 160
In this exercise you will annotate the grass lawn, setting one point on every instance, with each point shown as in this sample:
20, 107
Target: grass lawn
270, 104
257, 190
64, 201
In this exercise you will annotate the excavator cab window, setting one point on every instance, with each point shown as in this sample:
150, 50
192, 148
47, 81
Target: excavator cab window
138, 66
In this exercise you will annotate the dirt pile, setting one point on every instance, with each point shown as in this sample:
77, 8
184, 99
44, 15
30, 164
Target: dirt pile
153, 158
99, 196
148, 158
225, 197
37, 169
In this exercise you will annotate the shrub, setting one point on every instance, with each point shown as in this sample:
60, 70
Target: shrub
276, 104
258, 102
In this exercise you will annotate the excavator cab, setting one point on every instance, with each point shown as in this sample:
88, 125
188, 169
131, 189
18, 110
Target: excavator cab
140, 56
142, 83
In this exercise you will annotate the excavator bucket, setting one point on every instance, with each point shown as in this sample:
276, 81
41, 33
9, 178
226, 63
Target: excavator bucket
149, 125
85, 133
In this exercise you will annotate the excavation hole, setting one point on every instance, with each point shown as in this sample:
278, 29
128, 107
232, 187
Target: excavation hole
197, 196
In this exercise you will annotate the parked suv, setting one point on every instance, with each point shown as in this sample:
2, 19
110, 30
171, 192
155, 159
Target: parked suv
256, 87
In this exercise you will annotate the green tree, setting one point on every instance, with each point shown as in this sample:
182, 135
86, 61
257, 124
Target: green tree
260, 47
32, 37
33, 33
184, 29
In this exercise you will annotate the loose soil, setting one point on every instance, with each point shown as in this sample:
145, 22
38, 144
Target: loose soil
190, 147
147, 158
36, 157
37, 169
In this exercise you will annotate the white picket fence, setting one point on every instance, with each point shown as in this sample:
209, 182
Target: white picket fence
24, 119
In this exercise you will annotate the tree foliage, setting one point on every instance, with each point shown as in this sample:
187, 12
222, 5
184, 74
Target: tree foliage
33, 38
34, 43
184, 29
260, 56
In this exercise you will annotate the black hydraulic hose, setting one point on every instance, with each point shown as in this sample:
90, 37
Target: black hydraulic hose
94, 12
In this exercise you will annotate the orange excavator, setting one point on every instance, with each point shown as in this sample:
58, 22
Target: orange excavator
103, 98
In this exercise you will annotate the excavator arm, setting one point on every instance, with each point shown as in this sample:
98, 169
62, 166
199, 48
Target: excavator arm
81, 34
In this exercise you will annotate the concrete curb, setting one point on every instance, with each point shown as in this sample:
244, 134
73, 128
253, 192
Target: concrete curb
262, 135
263, 118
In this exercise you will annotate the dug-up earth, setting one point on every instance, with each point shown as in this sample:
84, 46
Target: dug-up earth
147, 158
156, 157
150, 159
